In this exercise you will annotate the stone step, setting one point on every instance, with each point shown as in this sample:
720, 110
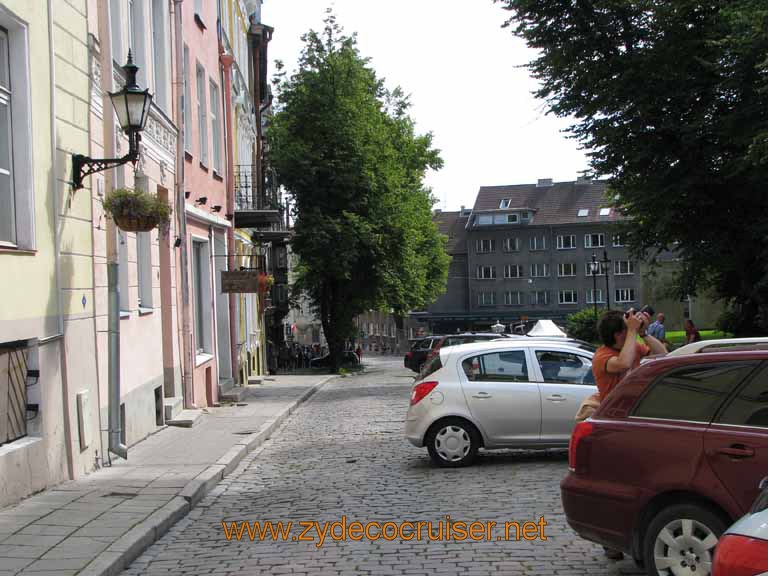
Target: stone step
172, 407
186, 418
232, 395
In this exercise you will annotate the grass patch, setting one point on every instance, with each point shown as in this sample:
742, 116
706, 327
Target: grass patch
677, 337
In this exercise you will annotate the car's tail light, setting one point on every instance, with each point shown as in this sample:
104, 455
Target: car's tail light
581, 430
409, 355
740, 556
422, 389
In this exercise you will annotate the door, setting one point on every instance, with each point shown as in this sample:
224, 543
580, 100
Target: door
736, 443
502, 397
566, 380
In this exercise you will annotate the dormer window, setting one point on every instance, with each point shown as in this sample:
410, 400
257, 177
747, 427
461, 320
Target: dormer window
583, 212
505, 203
605, 211
525, 216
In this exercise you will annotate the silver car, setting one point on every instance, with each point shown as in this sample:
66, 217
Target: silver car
521, 393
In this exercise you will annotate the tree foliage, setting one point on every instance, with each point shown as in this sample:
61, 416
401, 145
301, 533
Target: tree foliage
671, 101
346, 150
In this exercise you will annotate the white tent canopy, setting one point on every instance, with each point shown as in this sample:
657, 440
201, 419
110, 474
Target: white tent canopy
546, 328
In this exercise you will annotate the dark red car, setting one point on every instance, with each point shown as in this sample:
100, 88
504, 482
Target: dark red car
671, 458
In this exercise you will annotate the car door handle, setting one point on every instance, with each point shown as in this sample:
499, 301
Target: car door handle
556, 398
736, 451
481, 395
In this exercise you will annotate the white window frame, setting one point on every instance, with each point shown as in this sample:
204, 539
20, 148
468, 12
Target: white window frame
504, 203
510, 301
201, 298
136, 39
588, 240
116, 31
160, 53
480, 246
525, 216
533, 243
484, 219
535, 270
483, 296
507, 241
215, 128
628, 265
187, 102
600, 296
508, 271
562, 300
588, 270
21, 173
624, 295
486, 272
563, 245
561, 269
202, 113
617, 241
582, 213
535, 300
605, 211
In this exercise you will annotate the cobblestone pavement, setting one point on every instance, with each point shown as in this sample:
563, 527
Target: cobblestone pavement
343, 453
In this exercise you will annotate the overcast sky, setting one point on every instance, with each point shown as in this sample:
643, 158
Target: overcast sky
463, 72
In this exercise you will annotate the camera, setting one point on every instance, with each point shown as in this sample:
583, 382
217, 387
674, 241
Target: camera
645, 310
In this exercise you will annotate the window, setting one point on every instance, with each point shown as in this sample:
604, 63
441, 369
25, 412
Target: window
511, 245
485, 246
566, 242
160, 35
693, 393
513, 271
623, 267
215, 128
17, 201
539, 270
485, 220
750, 406
588, 270
144, 268
504, 203
618, 241
568, 297
505, 219
564, 367
116, 29
525, 216
583, 212
202, 296
187, 102
539, 298
486, 298
199, 9
513, 298
595, 296
605, 211
566, 269
537, 243
486, 272
625, 295
497, 367
594, 240
136, 40
202, 124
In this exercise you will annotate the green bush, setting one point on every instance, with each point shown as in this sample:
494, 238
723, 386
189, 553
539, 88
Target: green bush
582, 325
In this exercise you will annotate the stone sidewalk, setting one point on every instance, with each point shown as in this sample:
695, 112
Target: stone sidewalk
100, 523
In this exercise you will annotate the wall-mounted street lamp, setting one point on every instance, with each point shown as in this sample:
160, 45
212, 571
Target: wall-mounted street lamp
594, 269
132, 108
604, 264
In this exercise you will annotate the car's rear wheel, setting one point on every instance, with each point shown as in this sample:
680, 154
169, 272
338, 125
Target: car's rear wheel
453, 442
681, 540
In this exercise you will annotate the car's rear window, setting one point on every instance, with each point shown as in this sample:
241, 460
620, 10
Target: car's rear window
431, 367
693, 393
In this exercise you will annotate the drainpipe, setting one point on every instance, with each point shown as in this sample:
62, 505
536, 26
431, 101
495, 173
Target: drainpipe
226, 62
187, 344
113, 300
57, 263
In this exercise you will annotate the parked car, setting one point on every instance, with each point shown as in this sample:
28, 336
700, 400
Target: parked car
417, 355
510, 393
743, 549
464, 338
721, 345
672, 456
325, 361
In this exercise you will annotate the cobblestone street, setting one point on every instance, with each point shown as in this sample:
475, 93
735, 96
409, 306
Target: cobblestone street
343, 453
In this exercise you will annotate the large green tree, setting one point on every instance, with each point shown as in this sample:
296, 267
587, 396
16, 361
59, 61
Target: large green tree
671, 101
346, 150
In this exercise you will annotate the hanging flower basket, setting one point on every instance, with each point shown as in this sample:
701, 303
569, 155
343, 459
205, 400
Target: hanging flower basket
265, 282
137, 210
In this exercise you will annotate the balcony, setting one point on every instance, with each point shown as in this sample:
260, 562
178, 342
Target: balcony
253, 208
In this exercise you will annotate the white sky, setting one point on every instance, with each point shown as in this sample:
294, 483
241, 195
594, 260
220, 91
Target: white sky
463, 73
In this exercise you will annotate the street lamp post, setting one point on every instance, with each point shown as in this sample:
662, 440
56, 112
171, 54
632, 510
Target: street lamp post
604, 263
594, 268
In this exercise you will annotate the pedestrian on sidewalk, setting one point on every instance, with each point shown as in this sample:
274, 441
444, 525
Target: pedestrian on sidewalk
657, 329
359, 352
691, 333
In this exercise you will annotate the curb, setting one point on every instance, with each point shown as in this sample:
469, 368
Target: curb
133, 543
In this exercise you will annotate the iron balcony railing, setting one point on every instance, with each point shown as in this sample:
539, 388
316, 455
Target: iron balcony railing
247, 195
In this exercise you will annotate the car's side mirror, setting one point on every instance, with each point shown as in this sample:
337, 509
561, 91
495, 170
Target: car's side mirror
763, 484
